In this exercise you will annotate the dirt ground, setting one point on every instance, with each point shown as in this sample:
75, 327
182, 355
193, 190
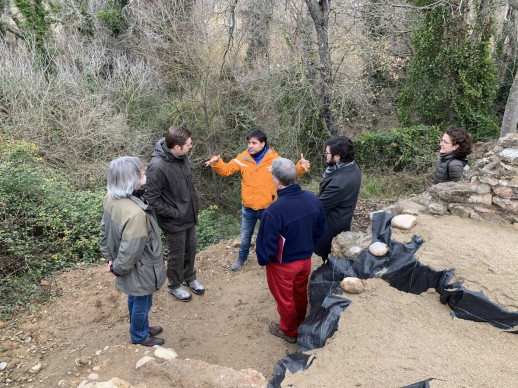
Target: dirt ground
385, 338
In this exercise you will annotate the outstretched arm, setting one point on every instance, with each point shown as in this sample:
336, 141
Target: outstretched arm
222, 168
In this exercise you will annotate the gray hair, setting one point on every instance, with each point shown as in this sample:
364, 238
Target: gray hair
124, 176
284, 171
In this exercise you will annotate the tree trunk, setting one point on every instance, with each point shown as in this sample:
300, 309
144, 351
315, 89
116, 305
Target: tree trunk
510, 119
319, 11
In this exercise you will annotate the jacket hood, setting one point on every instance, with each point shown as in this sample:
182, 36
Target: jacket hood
161, 151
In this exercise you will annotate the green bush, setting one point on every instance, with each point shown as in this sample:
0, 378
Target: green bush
215, 226
44, 226
412, 149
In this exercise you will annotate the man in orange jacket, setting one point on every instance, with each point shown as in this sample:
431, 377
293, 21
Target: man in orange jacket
257, 188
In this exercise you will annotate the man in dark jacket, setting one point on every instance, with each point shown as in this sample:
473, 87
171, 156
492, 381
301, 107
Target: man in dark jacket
338, 191
288, 232
171, 192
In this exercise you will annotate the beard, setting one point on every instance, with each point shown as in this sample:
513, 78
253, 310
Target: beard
331, 163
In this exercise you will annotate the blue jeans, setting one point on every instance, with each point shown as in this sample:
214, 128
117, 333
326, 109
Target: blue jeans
249, 218
139, 307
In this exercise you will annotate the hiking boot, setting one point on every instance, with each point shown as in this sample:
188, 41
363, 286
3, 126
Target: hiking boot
275, 329
154, 330
237, 265
181, 294
195, 287
150, 341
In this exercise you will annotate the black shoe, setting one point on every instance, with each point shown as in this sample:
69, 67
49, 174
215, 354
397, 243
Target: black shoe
154, 330
150, 341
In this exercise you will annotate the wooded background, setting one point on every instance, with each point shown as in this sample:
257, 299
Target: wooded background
85, 81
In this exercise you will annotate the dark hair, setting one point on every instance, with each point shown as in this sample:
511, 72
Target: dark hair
177, 136
284, 171
342, 146
259, 135
463, 139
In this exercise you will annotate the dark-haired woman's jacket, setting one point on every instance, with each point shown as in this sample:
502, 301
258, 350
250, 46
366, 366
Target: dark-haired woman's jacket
449, 169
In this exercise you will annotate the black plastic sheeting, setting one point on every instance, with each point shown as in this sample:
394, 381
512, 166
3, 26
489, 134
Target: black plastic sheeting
401, 270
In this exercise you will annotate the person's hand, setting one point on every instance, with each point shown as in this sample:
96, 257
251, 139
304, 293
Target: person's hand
304, 163
108, 267
212, 160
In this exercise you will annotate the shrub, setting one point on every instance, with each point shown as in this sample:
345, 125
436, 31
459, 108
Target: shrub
412, 148
215, 226
44, 227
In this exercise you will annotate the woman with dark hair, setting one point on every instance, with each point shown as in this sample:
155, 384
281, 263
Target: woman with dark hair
131, 244
456, 145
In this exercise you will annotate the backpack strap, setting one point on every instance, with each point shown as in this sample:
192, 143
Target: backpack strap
464, 163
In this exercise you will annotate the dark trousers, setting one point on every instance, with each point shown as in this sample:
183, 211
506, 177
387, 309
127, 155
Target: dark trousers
180, 260
288, 283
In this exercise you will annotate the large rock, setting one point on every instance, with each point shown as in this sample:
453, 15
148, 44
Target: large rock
352, 285
404, 221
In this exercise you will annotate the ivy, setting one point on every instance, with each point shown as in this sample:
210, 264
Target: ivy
450, 79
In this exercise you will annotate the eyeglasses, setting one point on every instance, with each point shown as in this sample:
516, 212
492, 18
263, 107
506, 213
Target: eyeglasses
327, 153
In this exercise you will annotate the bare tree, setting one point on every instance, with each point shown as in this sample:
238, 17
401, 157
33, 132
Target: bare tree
510, 120
319, 11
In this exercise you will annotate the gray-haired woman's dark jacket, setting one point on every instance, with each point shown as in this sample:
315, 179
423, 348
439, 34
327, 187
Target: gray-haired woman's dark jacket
449, 169
130, 238
170, 190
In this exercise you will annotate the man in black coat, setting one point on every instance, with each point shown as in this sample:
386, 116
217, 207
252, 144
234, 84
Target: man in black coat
338, 191
170, 190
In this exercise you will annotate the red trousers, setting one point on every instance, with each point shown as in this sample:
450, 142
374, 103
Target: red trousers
288, 283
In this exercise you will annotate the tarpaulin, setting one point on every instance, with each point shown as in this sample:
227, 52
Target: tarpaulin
400, 268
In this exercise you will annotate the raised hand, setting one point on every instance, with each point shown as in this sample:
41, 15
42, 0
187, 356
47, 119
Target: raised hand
212, 160
304, 163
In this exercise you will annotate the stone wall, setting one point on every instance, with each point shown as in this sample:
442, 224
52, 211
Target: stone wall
487, 193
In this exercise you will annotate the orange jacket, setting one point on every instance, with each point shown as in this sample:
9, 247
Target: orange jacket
257, 189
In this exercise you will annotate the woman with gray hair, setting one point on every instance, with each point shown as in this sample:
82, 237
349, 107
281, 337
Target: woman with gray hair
131, 244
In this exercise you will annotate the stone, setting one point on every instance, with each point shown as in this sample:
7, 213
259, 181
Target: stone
459, 210
165, 353
236, 243
144, 360
503, 192
404, 221
378, 248
410, 207
489, 180
437, 209
93, 376
506, 204
451, 191
3, 365
509, 141
113, 383
3, 324
485, 199
509, 156
354, 252
352, 285
482, 188
36, 368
